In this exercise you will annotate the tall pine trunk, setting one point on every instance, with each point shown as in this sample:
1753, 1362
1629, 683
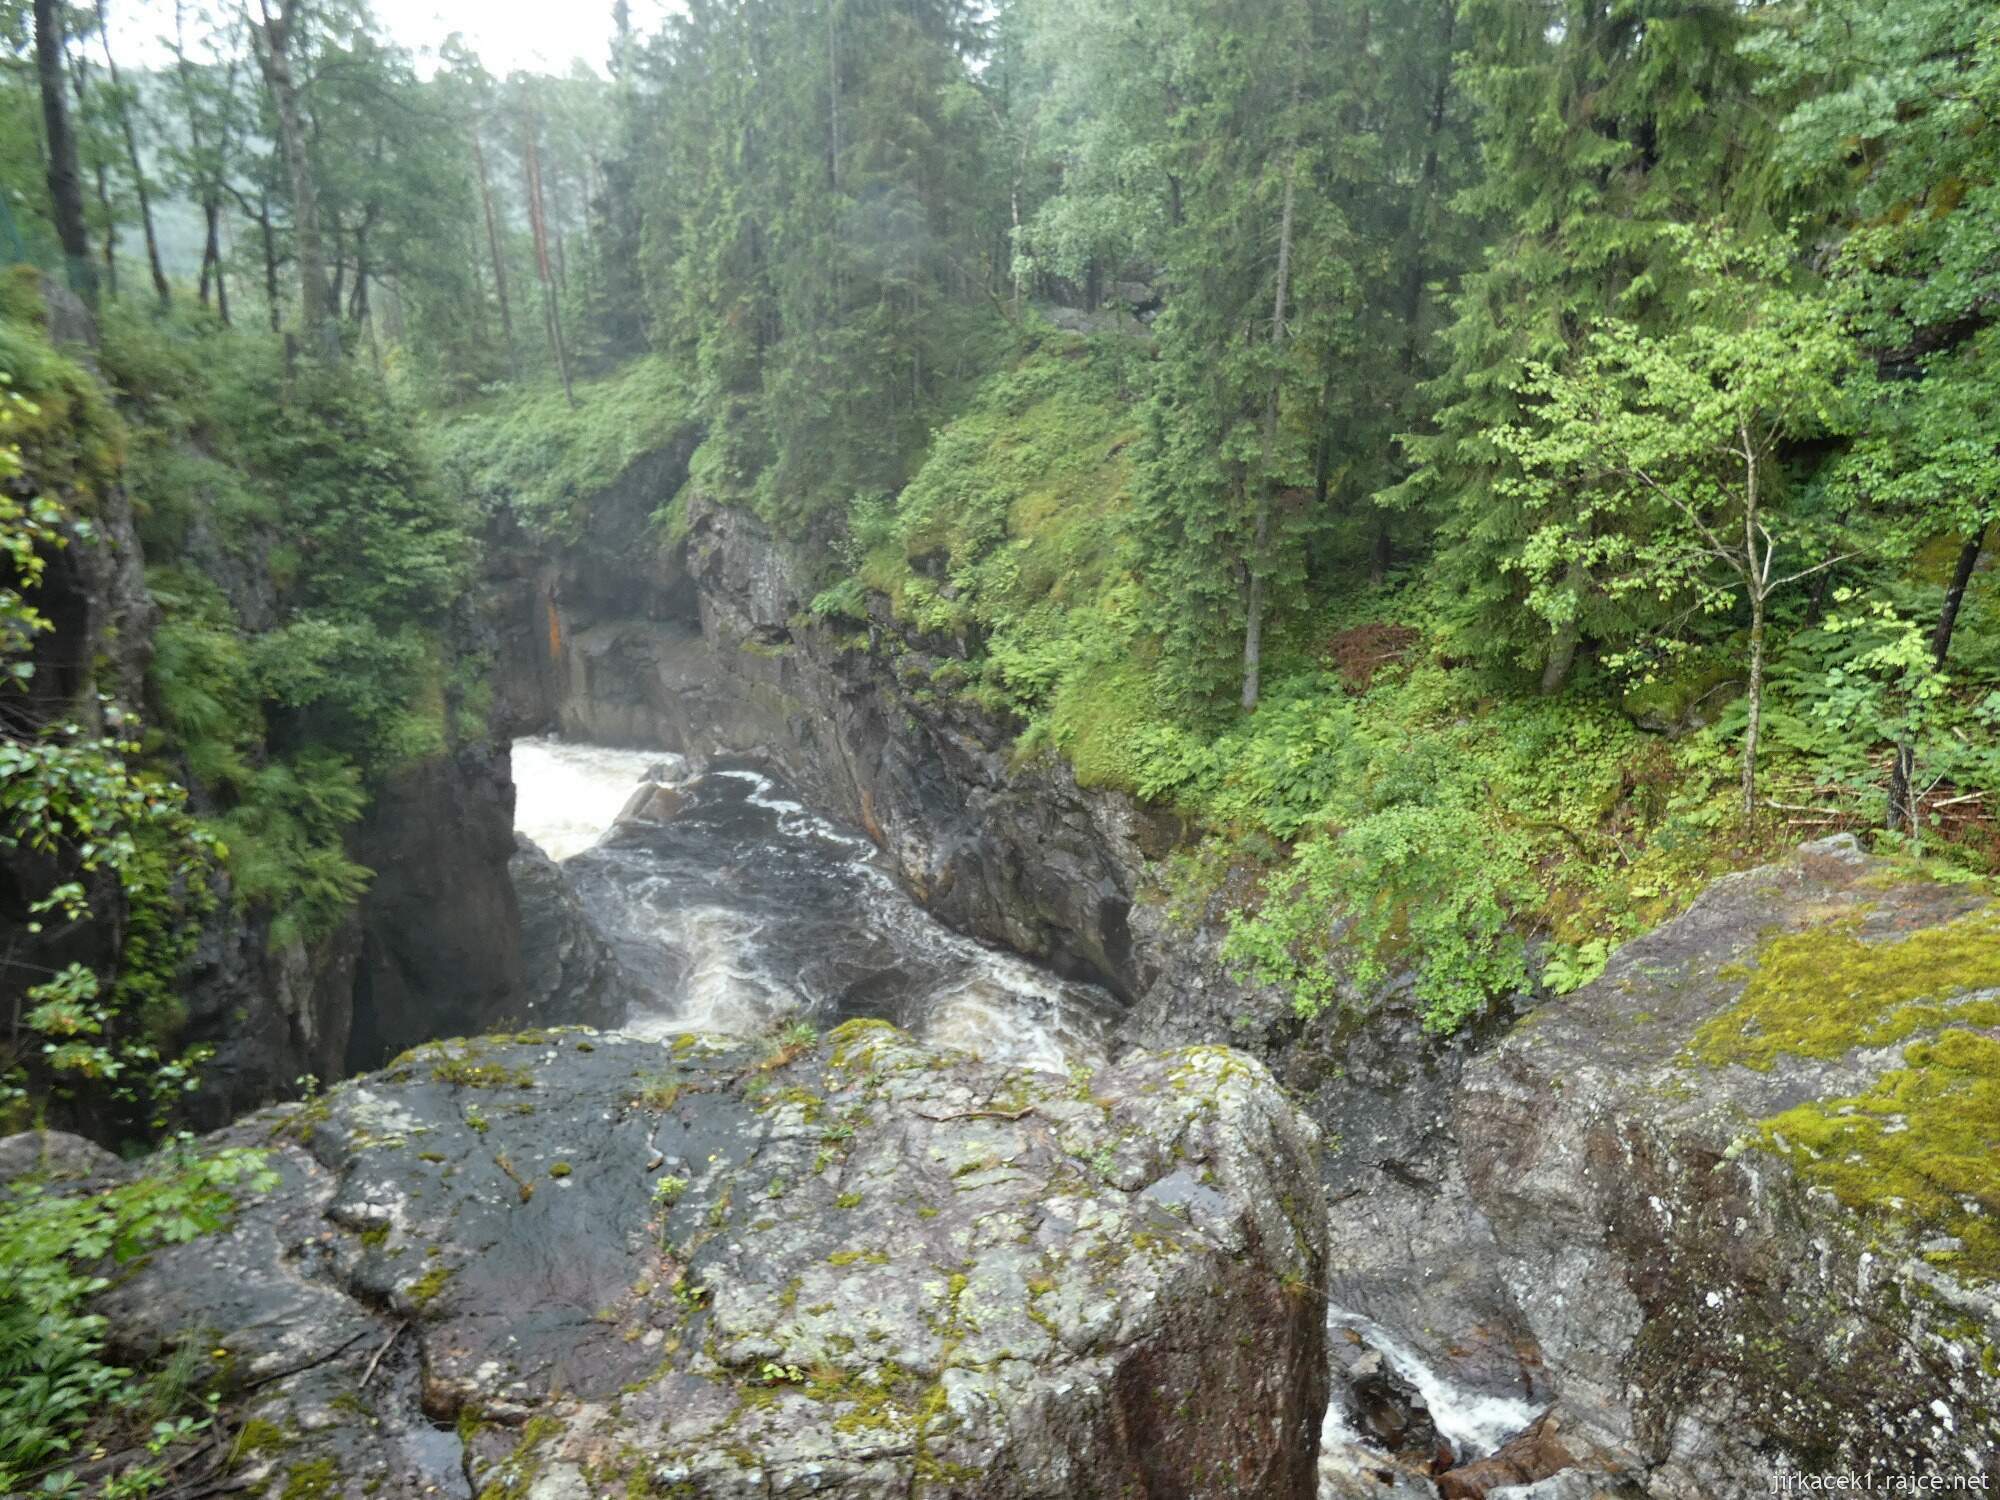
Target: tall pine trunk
551, 312
65, 178
1260, 560
103, 185
493, 245
274, 41
123, 108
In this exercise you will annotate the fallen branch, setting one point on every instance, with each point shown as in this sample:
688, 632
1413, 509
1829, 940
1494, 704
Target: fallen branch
387, 1344
981, 1114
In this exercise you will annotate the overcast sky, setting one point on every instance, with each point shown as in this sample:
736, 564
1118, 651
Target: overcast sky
508, 34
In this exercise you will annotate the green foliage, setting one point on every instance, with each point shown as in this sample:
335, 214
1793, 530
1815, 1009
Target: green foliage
822, 238
316, 482
1436, 883
56, 1251
1597, 134
543, 460
99, 833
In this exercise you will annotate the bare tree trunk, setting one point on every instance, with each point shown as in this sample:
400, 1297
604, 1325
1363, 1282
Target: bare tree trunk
1903, 811
103, 184
1756, 703
274, 40
1562, 654
211, 259
1757, 575
493, 244
833, 94
124, 111
552, 314
65, 180
270, 244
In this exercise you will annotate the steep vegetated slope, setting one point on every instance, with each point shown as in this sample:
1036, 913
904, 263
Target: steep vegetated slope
1373, 529
334, 882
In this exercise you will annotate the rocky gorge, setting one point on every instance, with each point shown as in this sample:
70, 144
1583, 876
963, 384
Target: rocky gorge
1721, 1216
1593, 1220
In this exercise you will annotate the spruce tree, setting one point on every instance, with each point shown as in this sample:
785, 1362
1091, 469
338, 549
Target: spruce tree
1601, 123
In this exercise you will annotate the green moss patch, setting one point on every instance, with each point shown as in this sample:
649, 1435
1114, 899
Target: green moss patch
1916, 1150
1828, 992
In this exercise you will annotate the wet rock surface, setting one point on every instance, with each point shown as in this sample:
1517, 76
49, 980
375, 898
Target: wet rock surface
708, 648
1712, 1311
568, 1264
569, 972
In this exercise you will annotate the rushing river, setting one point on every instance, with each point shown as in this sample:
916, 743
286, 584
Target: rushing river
744, 907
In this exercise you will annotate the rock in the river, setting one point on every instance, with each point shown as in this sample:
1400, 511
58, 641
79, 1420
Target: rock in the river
651, 803
853, 1267
568, 969
1746, 1184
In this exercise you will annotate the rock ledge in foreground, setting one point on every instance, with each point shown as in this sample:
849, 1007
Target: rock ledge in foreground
851, 1267
1747, 1189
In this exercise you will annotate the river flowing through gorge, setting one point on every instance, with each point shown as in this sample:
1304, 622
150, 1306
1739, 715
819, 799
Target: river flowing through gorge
736, 907
744, 907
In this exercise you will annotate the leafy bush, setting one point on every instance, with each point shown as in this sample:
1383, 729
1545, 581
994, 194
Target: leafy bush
54, 1252
1437, 887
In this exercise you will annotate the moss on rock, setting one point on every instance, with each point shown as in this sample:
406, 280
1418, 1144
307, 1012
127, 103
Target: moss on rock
1823, 993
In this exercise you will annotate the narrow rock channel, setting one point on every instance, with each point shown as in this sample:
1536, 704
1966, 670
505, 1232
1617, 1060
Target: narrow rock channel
732, 906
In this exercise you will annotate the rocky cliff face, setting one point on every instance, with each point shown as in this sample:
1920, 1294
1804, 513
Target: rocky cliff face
705, 647
1605, 1212
1745, 1185
572, 1265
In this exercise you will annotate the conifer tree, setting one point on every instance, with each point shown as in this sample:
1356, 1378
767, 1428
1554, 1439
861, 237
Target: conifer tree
1602, 123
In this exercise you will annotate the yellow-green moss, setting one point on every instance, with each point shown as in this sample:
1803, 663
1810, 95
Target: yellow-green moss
854, 1042
1916, 1150
314, 1479
517, 1472
470, 1068
1826, 992
258, 1436
426, 1288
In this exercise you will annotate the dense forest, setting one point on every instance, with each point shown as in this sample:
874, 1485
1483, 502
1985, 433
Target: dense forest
1488, 465
1493, 464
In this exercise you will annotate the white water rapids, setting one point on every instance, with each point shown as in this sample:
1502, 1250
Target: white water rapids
746, 907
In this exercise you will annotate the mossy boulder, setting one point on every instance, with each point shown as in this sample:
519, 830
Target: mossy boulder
848, 1267
1747, 1182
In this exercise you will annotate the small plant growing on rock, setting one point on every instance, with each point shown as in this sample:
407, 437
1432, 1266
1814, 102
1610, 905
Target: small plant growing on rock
668, 1189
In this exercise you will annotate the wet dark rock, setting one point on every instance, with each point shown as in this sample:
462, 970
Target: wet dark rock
1707, 1315
1390, 1413
565, 1264
569, 973
1409, 1248
53, 1155
651, 803
440, 926
274, 1012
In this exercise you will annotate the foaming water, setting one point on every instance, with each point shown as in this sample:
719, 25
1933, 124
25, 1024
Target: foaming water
746, 907
567, 796
1474, 1423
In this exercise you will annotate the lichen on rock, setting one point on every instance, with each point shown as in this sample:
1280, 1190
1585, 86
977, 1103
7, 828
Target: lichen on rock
881, 1268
